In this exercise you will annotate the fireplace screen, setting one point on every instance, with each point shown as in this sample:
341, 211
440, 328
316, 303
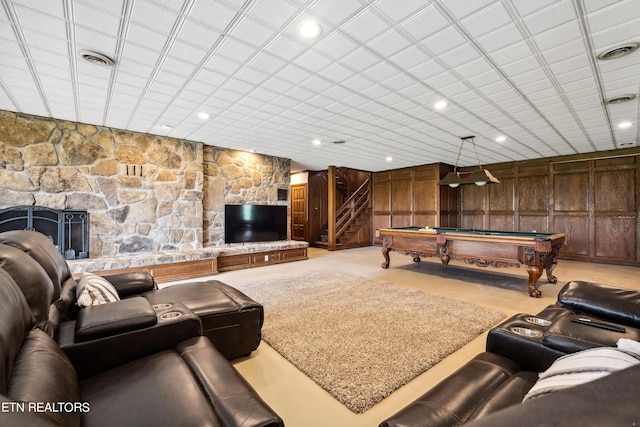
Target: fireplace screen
68, 229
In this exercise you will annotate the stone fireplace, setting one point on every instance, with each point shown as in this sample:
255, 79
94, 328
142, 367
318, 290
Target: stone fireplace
144, 192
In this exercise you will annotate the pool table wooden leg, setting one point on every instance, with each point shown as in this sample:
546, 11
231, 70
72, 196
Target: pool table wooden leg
534, 274
385, 254
550, 277
444, 254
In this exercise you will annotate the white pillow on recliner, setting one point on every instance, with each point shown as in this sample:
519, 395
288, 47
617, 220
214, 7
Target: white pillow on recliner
585, 366
94, 290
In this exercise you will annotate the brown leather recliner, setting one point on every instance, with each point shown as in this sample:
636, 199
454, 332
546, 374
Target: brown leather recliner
230, 319
175, 378
490, 388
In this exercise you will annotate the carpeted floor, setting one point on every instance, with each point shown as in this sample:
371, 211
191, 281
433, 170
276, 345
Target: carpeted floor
359, 339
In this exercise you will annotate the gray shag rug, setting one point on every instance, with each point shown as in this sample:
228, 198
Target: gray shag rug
360, 339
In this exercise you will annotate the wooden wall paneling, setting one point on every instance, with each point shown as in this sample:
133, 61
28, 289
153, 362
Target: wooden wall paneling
615, 237
500, 205
578, 231
533, 193
535, 223
501, 196
448, 206
425, 196
473, 207
572, 202
615, 191
593, 198
475, 221
381, 206
571, 192
615, 208
448, 213
411, 196
498, 221
473, 198
401, 199
317, 202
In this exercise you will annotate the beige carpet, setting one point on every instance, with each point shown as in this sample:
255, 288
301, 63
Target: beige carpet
359, 339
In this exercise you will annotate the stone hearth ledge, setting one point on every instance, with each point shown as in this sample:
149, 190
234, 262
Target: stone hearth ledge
141, 259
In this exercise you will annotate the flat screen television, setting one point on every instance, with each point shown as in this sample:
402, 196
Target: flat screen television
254, 223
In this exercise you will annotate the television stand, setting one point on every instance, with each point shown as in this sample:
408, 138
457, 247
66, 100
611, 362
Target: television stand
258, 259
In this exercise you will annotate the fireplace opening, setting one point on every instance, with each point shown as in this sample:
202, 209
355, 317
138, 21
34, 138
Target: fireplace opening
67, 229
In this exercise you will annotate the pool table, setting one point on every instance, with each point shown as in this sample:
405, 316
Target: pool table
537, 251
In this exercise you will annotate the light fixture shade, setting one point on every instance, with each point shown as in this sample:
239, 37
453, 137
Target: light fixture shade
482, 177
452, 179
479, 177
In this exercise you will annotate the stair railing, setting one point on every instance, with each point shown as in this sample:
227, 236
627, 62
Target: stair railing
352, 208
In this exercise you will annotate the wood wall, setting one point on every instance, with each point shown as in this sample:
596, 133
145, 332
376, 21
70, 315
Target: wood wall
593, 198
412, 196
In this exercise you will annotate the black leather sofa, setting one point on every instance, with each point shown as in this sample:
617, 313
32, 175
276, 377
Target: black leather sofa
230, 319
489, 390
173, 376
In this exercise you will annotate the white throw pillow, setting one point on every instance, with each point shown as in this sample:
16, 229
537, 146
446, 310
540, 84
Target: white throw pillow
94, 290
587, 365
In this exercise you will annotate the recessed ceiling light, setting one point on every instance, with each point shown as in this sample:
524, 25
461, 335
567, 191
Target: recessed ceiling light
251, 150
501, 138
309, 29
440, 105
204, 116
316, 142
166, 127
389, 158
625, 125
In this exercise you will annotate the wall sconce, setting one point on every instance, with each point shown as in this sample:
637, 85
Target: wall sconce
478, 177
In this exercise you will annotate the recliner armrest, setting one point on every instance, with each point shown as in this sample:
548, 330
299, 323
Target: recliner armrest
92, 357
131, 283
99, 321
615, 304
569, 337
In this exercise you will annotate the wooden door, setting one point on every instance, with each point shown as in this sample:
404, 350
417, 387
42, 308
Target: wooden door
299, 212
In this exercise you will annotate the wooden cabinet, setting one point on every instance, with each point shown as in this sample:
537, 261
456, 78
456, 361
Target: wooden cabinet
171, 271
257, 259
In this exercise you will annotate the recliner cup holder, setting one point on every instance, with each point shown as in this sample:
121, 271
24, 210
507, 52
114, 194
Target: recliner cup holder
537, 321
162, 306
526, 332
170, 315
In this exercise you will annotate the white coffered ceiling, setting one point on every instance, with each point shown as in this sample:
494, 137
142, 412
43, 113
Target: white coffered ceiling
524, 69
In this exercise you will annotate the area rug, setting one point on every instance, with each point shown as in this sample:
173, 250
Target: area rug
360, 339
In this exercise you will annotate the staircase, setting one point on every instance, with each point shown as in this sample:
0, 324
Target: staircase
352, 222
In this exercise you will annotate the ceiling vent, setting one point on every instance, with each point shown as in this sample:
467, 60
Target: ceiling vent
340, 141
95, 58
619, 99
619, 51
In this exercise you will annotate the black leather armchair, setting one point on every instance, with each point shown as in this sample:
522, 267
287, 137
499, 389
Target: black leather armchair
230, 319
176, 377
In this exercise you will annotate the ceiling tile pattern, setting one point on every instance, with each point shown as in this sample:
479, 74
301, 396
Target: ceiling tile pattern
526, 70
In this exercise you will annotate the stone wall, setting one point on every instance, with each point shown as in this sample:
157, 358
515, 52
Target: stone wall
239, 177
144, 192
